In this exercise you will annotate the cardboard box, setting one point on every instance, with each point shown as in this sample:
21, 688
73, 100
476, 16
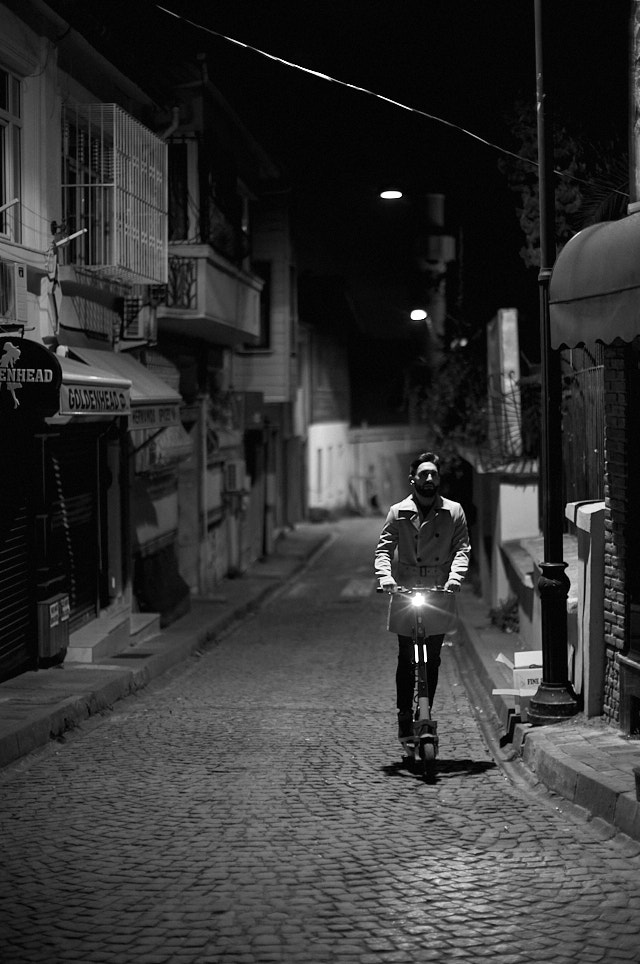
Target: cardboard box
527, 671
527, 675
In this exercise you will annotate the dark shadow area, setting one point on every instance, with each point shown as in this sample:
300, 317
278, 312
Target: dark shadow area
452, 768
403, 768
444, 769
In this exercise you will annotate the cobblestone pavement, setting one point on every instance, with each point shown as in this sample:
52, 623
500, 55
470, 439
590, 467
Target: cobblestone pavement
251, 808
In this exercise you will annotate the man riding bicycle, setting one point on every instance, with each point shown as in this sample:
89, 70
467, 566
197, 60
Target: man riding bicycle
431, 538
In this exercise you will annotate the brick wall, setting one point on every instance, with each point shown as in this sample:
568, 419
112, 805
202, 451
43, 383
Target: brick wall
616, 485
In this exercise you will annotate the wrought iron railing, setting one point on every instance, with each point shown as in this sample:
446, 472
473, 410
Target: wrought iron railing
182, 283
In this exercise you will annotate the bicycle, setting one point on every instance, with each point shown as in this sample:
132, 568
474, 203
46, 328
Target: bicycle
433, 612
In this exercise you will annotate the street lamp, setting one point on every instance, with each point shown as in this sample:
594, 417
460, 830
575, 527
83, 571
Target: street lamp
553, 701
418, 314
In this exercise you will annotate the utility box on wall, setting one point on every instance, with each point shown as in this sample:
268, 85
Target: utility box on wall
53, 625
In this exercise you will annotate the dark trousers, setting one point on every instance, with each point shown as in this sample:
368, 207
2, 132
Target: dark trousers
405, 673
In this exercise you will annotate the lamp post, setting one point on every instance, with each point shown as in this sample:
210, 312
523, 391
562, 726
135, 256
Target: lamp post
554, 700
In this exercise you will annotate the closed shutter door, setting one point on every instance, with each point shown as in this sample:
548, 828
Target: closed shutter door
75, 521
15, 624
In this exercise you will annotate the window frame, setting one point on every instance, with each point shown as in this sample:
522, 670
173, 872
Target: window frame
263, 269
11, 137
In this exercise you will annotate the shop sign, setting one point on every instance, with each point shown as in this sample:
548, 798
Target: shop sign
154, 416
30, 378
93, 400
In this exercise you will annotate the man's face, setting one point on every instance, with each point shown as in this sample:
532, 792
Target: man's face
426, 480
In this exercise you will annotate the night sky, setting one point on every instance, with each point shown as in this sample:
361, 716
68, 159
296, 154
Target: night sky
465, 61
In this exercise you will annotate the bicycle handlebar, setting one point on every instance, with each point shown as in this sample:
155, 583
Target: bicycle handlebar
408, 591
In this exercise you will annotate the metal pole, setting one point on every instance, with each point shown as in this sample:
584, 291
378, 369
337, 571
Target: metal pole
554, 700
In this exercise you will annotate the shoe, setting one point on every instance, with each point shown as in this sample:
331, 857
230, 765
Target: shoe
405, 724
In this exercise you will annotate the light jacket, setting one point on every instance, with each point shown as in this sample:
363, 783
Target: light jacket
429, 552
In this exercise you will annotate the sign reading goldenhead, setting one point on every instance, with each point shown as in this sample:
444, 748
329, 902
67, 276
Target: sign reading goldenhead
30, 378
90, 400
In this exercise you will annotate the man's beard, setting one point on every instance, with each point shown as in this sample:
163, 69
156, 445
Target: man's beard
427, 491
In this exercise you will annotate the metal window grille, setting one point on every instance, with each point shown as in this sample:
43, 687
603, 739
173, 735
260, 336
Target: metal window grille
114, 184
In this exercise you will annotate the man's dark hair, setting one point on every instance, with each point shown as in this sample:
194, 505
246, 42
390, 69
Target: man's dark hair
425, 457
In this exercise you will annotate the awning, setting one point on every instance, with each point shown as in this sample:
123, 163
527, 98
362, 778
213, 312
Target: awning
91, 392
595, 286
173, 445
154, 404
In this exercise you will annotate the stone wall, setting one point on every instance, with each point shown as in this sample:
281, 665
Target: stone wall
616, 490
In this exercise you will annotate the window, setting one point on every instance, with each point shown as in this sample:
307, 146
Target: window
178, 191
263, 270
10, 148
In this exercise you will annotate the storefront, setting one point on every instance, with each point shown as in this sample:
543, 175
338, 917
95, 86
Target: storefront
62, 427
156, 444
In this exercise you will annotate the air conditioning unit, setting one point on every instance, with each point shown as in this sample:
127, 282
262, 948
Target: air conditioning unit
234, 475
13, 292
139, 320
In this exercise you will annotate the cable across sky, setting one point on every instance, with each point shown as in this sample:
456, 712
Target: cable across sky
364, 90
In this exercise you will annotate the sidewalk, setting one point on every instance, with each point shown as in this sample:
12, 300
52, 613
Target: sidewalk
585, 761
40, 705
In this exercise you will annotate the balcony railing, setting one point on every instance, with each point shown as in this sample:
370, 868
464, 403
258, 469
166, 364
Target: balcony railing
207, 297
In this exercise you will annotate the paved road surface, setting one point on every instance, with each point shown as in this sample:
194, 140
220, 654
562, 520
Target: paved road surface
251, 808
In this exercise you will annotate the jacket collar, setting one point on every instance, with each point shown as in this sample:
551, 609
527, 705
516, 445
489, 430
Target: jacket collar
409, 507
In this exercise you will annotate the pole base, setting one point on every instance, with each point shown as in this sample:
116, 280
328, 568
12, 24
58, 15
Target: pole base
551, 704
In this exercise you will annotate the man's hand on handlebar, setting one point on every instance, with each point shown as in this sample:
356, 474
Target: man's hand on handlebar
452, 585
388, 584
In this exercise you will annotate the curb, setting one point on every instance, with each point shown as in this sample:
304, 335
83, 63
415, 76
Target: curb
593, 792
541, 762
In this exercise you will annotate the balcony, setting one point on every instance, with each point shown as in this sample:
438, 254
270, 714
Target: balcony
209, 299
114, 190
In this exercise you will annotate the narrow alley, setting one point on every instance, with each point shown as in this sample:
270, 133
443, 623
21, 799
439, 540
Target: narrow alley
250, 807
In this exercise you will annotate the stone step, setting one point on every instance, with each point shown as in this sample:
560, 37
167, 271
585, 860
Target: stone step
142, 627
99, 639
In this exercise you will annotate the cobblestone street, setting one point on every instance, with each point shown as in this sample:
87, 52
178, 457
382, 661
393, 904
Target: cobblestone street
251, 807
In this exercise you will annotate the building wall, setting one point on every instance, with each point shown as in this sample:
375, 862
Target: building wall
381, 456
330, 389
516, 517
329, 466
272, 371
616, 493
30, 58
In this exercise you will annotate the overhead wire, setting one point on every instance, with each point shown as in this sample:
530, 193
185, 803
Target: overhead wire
382, 97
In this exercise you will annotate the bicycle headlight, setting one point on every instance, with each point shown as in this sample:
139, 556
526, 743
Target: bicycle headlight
417, 600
